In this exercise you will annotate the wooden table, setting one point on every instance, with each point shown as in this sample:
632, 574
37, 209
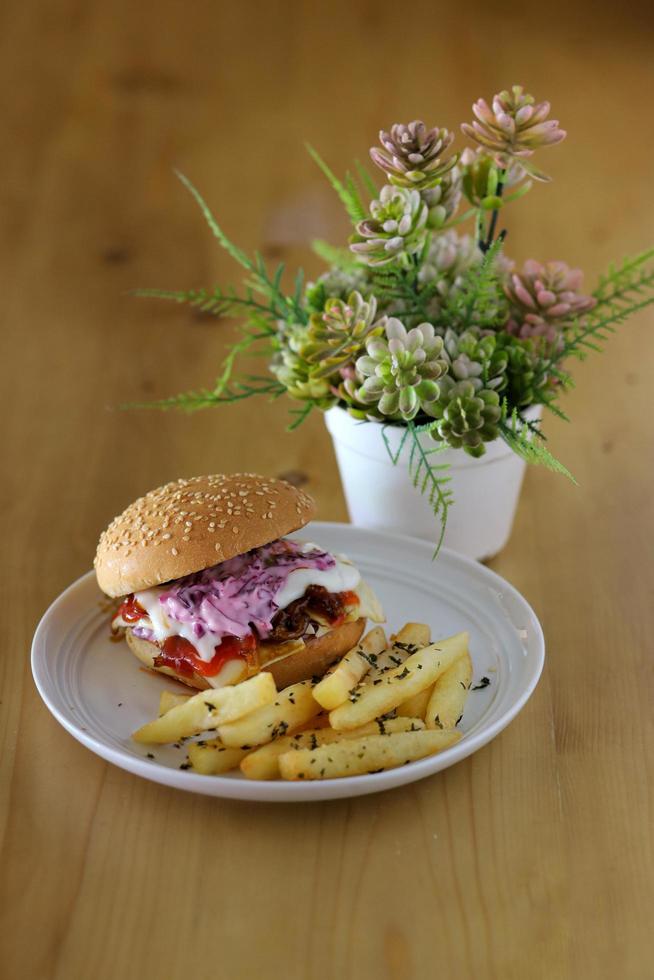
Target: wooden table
531, 859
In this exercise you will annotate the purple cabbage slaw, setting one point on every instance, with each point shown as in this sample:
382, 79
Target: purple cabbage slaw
240, 594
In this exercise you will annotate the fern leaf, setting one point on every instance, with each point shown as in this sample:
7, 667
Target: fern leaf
355, 196
479, 300
592, 333
236, 253
366, 180
629, 277
529, 447
341, 258
429, 479
300, 415
352, 205
394, 456
299, 284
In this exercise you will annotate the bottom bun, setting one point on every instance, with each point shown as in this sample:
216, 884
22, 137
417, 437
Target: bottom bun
312, 660
317, 655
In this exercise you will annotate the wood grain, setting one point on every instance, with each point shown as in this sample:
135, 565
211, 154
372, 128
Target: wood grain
533, 858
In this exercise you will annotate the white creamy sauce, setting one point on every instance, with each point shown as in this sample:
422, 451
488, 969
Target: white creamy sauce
343, 577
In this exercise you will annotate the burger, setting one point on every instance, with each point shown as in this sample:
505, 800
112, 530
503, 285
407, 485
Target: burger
212, 592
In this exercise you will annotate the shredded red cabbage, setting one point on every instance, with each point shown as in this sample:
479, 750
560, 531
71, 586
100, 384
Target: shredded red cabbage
240, 594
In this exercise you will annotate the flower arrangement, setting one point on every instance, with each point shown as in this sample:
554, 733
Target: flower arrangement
414, 324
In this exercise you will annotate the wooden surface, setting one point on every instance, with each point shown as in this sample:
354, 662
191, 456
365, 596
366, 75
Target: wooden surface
531, 859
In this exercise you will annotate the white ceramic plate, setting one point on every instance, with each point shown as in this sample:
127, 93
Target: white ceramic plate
95, 689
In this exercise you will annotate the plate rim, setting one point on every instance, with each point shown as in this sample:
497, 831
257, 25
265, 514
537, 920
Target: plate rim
279, 791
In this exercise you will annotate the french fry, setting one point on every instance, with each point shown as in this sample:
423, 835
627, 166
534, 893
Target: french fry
419, 671
402, 644
321, 720
291, 708
449, 695
212, 758
209, 709
416, 635
263, 763
170, 699
387, 660
415, 707
335, 687
353, 757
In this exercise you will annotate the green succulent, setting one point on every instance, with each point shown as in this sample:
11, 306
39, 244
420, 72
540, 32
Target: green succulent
295, 374
395, 229
480, 178
400, 371
411, 155
466, 417
337, 335
443, 200
335, 282
528, 373
449, 257
349, 393
476, 358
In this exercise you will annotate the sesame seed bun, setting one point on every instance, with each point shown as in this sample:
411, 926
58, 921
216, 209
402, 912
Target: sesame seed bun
189, 525
312, 660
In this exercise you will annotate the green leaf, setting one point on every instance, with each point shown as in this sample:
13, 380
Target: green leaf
300, 415
394, 456
237, 254
534, 171
528, 446
520, 192
355, 196
366, 180
430, 479
193, 401
214, 301
280, 306
479, 299
352, 203
333, 255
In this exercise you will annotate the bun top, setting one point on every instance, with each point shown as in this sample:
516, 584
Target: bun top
189, 525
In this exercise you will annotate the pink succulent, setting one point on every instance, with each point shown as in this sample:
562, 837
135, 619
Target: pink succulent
543, 299
513, 126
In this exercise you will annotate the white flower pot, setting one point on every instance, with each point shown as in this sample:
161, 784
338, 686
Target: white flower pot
381, 495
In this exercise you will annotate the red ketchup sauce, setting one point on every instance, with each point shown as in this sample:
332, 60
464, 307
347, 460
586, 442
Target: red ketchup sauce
131, 610
335, 606
182, 656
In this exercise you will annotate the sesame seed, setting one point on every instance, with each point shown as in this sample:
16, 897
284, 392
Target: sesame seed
174, 551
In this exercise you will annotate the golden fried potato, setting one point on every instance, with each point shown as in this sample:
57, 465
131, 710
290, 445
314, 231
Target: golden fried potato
354, 757
263, 763
208, 709
335, 687
419, 671
212, 758
291, 708
449, 695
170, 699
